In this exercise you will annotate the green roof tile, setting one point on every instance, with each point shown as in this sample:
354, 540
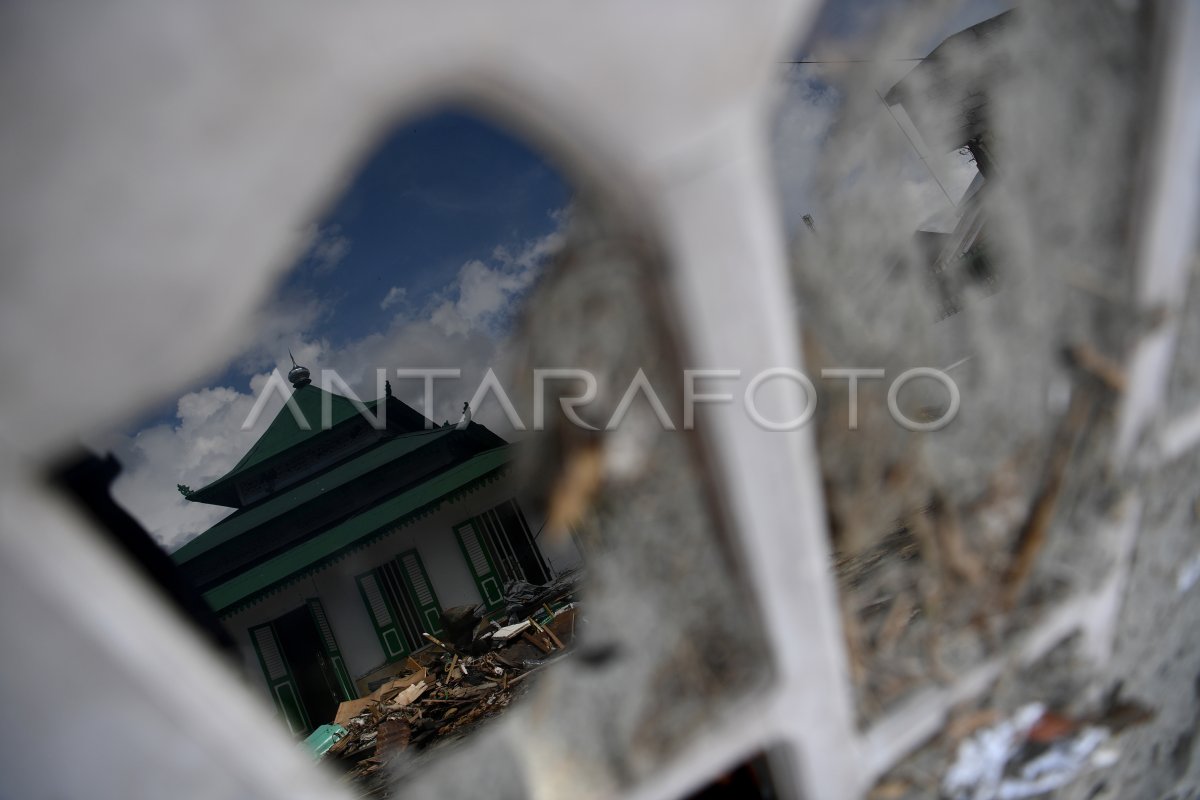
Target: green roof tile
284, 433
247, 520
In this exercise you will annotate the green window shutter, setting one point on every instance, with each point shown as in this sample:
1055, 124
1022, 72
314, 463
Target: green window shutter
383, 616
421, 591
482, 567
345, 685
279, 678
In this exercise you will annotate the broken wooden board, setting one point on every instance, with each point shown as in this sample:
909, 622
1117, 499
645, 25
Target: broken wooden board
393, 738
352, 708
389, 689
537, 642
546, 631
509, 631
408, 696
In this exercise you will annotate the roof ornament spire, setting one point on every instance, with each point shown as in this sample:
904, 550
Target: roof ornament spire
298, 375
465, 421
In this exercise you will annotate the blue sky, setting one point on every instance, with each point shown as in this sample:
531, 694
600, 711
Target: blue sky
436, 194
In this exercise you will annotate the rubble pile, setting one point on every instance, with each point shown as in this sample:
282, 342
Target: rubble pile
456, 683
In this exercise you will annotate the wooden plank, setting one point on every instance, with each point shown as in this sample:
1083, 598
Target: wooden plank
400, 684
352, 708
509, 631
557, 642
409, 695
527, 636
439, 642
393, 737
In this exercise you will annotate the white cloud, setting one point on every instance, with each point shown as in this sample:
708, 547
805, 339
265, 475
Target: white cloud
204, 443
482, 296
328, 248
485, 295
462, 326
394, 296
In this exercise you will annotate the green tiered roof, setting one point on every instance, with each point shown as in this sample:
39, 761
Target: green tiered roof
248, 519
283, 434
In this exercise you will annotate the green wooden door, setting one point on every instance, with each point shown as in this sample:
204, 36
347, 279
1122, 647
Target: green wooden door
284, 690
345, 685
383, 616
421, 591
483, 568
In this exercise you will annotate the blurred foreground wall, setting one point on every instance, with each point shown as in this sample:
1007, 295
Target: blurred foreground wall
159, 161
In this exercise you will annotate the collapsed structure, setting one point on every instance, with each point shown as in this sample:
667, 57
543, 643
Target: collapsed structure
452, 686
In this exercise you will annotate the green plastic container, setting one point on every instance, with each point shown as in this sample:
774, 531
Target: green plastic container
323, 738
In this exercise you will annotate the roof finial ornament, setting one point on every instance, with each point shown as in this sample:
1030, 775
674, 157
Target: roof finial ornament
466, 418
387, 388
298, 375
